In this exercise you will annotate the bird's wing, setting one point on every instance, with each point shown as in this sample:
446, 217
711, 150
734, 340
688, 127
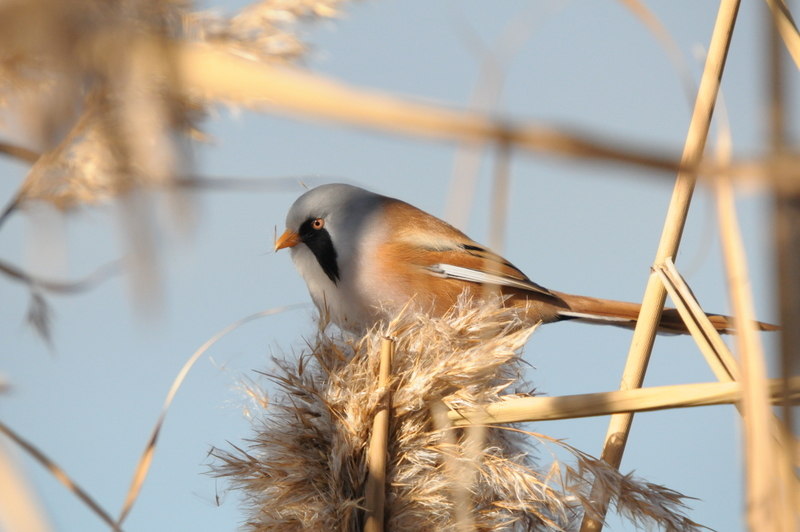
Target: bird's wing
444, 251
451, 271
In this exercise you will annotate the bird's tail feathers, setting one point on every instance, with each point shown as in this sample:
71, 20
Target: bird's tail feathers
623, 314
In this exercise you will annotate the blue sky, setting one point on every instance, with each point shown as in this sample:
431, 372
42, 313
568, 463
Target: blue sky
580, 227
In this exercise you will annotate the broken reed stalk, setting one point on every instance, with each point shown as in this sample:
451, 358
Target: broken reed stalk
376, 455
709, 349
525, 409
710, 340
719, 357
787, 446
655, 293
786, 28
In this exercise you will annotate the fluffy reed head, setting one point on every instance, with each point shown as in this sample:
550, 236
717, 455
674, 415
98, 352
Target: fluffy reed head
305, 467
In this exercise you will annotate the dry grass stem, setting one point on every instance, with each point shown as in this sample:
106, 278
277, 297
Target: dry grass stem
769, 503
786, 28
786, 231
500, 192
18, 152
39, 312
655, 293
60, 287
305, 467
755, 174
143, 467
778, 172
668, 43
60, 475
216, 75
523, 409
375, 496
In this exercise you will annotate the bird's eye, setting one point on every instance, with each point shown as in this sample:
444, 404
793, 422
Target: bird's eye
318, 223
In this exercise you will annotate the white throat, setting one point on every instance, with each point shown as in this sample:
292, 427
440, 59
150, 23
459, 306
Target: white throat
336, 301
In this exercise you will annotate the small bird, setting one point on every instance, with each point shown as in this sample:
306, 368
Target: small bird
365, 257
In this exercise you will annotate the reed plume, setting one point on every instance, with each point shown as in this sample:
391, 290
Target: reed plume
304, 467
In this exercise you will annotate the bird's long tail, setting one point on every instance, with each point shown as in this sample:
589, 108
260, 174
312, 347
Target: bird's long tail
622, 314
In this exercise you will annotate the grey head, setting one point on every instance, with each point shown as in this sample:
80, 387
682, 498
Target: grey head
329, 220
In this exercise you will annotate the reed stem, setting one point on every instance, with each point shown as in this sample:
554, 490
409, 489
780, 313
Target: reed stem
375, 496
655, 293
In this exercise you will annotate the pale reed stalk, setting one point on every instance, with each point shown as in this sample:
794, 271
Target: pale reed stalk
655, 293
769, 508
376, 455
525, 409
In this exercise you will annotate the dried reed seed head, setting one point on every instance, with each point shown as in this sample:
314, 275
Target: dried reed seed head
62, 59
72, 67
304, 467
93, 87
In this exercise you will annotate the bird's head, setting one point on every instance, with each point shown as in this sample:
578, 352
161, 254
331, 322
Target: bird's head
327, 223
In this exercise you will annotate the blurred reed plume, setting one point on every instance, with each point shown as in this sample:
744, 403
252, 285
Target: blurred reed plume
99, 116
93, 97
305, 467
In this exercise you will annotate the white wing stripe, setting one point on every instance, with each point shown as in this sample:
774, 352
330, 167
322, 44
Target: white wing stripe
597, 317
477, 276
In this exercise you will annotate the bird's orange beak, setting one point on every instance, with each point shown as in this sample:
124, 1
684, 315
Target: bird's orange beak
287, 240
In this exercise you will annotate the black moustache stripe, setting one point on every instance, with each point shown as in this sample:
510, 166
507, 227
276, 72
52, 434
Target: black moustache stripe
320, 243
